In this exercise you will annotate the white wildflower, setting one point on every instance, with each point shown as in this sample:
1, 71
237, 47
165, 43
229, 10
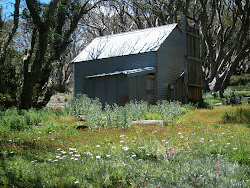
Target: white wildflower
97, 146
125, 148
98, 157
108, 156
235, 148
133, 156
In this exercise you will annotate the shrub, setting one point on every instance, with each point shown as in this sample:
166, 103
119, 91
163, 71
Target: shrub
19, 120
122, 116
240, 116
229, 93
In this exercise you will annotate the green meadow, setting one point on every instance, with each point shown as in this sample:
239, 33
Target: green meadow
191, 148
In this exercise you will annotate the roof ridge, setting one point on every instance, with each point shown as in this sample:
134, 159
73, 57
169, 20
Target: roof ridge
135, 31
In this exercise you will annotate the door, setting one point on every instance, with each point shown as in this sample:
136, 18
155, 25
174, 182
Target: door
151, 88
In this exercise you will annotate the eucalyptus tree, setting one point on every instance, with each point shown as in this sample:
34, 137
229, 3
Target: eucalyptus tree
49, 28
8, 56
63, 71
225, 39
224, 28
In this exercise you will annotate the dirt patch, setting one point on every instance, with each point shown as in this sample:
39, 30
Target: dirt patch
59, 100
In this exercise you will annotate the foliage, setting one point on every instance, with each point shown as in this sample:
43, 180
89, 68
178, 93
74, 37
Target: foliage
242, 80
198, 151
118, 116
23, 120
206, 102
240, 116
229, 93
32, 60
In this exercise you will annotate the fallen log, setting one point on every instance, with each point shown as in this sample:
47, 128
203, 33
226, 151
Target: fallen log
148, 122
78, 127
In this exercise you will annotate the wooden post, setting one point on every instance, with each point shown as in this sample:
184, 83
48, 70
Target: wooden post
185, 85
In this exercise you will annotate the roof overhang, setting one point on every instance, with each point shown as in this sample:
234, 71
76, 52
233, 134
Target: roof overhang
129, 73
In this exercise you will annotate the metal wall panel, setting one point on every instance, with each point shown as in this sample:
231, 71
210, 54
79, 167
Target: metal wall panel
170, 58
109, 89
81, 70
138, 88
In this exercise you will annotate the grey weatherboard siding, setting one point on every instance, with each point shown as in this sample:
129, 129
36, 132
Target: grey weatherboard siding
167, 59
170, 58
108, 65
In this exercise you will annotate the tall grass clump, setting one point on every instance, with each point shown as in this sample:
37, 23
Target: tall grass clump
121, 116
19, 120
78, 105
137, 110
169, 111
241, 115
207, 101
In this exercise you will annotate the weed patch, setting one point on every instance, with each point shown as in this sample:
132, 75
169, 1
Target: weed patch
241, 115
196, 150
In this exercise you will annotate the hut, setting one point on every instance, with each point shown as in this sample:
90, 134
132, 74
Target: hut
145, 64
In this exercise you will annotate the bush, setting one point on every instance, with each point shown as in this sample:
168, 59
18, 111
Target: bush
122, 116
229, 93
206, 101
19, 120
239, 80
240, 116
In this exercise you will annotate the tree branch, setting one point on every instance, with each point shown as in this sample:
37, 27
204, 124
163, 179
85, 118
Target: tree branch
11, 33
34, 13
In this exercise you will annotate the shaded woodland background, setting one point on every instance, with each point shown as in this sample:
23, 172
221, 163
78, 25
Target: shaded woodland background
38, 41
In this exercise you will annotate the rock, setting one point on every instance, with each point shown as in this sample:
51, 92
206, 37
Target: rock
81, 118
39, 125
78, 127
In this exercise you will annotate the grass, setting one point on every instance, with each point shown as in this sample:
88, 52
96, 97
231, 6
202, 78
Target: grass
199, 149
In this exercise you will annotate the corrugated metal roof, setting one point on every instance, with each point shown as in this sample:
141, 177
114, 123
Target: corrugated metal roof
134, 42
129, 73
